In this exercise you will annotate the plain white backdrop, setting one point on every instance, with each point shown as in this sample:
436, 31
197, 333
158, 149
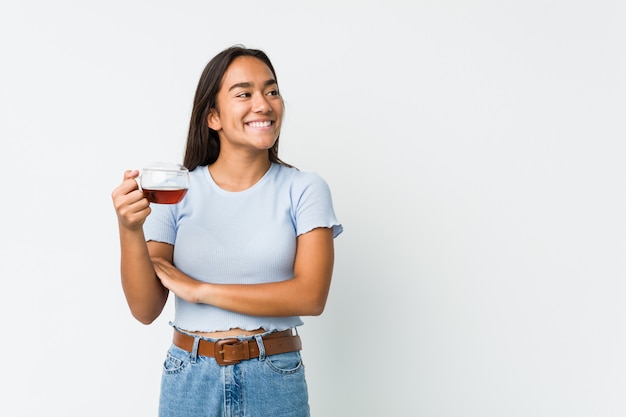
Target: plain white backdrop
475, 151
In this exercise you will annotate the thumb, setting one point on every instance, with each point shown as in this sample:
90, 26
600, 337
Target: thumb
129, 174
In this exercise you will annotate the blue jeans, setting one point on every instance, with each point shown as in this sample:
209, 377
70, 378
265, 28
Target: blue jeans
269, 386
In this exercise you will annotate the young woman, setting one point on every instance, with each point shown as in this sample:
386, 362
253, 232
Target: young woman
246, 253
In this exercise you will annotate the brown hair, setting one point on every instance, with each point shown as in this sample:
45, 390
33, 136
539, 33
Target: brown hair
203, 144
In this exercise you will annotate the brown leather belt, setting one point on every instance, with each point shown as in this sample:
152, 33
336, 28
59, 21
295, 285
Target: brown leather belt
230, 351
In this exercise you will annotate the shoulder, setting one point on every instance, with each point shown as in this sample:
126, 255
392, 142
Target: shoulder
297, 178
302, 186
198, 171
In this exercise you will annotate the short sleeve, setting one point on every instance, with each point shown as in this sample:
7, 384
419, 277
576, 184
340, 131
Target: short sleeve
160, 225
314, 206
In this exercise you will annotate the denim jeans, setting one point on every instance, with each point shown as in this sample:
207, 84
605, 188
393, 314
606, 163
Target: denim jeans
269, 386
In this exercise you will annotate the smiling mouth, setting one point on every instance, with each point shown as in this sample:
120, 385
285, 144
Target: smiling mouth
266, 123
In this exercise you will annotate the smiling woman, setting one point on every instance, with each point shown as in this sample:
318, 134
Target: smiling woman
246, 253
248, 112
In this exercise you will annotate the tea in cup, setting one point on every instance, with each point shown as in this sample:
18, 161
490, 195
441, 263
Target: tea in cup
163, 182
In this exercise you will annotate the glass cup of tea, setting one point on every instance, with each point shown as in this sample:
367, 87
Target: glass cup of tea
164, 182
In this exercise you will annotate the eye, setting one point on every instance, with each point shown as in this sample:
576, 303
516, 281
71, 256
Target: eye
273, 93
243, 95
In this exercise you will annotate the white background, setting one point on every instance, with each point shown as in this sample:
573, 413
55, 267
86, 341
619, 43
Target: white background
475, 151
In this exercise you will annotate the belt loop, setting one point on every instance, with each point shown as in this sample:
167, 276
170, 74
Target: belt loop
194, 349
246, 349
259, 342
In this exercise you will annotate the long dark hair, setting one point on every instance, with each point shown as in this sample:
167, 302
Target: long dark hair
203, 144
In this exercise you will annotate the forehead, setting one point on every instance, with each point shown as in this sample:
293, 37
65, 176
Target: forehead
246, 69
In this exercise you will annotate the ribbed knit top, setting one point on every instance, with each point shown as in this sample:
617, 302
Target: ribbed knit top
244, 237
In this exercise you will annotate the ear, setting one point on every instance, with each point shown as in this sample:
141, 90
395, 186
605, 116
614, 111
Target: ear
213, 120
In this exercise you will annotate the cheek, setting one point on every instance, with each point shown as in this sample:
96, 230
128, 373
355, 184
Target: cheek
279, 111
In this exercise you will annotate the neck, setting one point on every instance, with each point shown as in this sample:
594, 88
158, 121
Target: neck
238, 174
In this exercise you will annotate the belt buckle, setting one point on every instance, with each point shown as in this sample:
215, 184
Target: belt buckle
219, 351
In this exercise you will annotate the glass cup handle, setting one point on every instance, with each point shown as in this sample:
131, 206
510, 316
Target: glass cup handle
138, 181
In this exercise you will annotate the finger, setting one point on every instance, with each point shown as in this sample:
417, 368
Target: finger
125, 196
131, 174
128, 184
130, 189
130, 180
132, 208
137, 202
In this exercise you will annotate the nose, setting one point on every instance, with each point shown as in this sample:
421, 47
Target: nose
261, 105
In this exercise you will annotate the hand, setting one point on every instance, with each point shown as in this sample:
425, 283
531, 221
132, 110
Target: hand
130, 205
177, 282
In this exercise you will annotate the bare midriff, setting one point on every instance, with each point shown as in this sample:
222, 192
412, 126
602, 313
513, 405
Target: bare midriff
229, 333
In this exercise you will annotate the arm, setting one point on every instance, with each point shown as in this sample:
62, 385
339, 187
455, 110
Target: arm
304, 295
145, 294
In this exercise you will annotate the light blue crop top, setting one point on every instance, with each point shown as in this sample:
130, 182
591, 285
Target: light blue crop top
244, 237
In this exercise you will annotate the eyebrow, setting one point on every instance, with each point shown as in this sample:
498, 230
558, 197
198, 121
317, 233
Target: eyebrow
248, 84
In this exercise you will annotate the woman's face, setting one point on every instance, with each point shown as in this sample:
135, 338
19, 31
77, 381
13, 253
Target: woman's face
249, 107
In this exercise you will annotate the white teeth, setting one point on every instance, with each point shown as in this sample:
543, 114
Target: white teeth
260, 124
